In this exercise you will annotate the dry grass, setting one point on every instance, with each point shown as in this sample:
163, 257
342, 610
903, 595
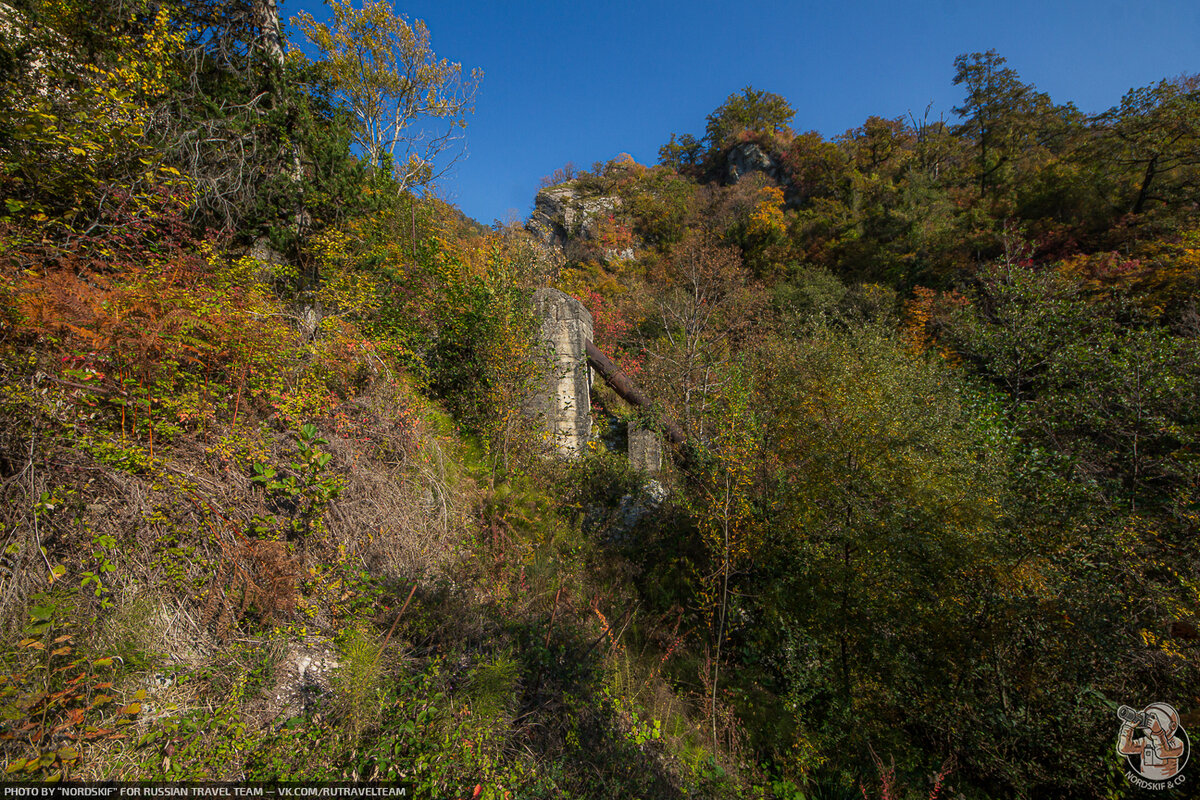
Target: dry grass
187, 572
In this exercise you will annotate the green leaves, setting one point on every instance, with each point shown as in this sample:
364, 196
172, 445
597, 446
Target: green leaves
78, 148
264, 474
885, 500
307, 490
309, 435
751, 110
1152, 139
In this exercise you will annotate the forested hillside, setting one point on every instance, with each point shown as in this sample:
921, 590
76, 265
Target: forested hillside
274, 505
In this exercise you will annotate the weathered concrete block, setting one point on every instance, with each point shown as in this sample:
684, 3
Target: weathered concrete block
645, 450
564, 402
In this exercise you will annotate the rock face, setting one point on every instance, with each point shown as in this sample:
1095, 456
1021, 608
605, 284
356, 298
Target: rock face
560, 214
749, 157
633, 509
564, 402
262, 250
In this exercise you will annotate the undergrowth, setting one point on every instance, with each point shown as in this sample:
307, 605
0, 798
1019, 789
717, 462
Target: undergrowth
235, 549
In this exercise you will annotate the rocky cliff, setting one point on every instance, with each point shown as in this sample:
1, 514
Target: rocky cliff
570, 213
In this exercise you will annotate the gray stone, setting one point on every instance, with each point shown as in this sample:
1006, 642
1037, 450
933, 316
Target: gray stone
548, 221
589, 213
262, 250
308, 320
269, 260
564, 401
746, 158
625, 254
645, 450
560, 214
634, 508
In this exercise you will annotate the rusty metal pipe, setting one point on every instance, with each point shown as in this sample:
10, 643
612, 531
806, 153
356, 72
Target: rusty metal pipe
628, 390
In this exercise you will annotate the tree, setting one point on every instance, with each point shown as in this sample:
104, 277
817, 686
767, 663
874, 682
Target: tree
383, 70
1021, 323
722, 503
680, 153
266, 17
879, 145
232, 32
996, 112
76, 135
888, 548
752, 110
707, 306
1096, 379
1154, 135
234, 120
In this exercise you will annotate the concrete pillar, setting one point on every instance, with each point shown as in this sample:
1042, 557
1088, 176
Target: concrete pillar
564, 402
645, 450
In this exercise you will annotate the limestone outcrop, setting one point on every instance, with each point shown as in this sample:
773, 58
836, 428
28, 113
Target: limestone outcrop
563, 214
747, 158
645, 450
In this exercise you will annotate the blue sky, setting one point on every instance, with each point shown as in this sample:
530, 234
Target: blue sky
583, 82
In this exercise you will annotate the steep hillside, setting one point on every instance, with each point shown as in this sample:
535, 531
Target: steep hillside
277, 502
940, 394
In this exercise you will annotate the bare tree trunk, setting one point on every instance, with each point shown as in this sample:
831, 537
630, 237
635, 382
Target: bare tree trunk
270, 43
1144, 191
270, 37
724, 610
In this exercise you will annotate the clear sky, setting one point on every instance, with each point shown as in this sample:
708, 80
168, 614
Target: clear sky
583, 82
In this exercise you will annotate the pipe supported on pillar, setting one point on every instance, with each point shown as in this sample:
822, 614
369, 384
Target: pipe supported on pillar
628, 390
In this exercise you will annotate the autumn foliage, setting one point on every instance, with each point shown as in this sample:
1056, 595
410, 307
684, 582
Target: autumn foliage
273, 505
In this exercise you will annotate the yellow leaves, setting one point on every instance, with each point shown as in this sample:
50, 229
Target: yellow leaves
1162, 644
82, 126
925, 306
767, 218
352, 295
384, 72
1031, 577
808, 752
144, 61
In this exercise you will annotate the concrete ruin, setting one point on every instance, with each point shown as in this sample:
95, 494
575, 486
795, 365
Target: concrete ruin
564, 402
645, 450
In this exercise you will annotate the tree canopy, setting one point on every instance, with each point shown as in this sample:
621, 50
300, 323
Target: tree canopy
269, 431
400, 94
749, 110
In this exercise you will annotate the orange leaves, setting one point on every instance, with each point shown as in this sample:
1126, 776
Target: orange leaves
58, 701
159, 343
923, 313
65, 302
